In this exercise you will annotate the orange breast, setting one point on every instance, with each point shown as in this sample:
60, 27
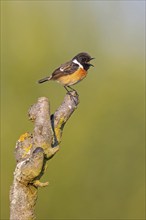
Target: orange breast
71, 79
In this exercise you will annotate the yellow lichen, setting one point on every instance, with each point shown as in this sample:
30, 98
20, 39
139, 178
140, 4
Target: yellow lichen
23, 137
58, 129
45, 147
26, 150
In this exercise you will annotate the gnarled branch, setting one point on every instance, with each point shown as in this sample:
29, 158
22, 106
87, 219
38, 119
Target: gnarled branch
32, 152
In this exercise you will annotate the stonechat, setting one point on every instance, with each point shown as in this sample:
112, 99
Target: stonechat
71, 72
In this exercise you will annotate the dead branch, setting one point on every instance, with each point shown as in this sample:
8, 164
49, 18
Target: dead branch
32, 152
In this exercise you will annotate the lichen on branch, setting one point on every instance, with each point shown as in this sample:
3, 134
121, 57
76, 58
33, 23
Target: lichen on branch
33, 150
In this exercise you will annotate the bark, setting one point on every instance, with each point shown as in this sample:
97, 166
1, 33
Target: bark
32, 152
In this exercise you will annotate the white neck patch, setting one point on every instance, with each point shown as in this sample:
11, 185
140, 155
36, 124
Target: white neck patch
76, 62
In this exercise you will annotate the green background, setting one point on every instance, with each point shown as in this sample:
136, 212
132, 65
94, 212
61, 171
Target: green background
99, 171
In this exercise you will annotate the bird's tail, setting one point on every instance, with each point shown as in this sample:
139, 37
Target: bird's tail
45, 79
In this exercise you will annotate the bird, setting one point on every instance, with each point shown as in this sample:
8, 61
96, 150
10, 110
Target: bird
71, 72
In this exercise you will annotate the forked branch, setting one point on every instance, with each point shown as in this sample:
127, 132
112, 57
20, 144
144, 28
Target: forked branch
33, 150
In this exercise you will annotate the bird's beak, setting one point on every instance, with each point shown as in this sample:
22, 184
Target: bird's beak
92, 58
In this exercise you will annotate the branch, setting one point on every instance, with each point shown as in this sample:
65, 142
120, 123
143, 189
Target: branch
33, 150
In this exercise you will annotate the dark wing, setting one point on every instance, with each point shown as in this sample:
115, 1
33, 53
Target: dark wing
65, 69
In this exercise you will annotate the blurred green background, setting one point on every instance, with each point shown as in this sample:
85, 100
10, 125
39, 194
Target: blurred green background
99, 171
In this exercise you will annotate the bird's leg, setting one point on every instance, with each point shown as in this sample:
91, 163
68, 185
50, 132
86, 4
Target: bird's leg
71, 88
66, 88
70, 92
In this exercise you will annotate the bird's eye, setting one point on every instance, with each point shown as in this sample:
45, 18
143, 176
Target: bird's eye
84, 59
